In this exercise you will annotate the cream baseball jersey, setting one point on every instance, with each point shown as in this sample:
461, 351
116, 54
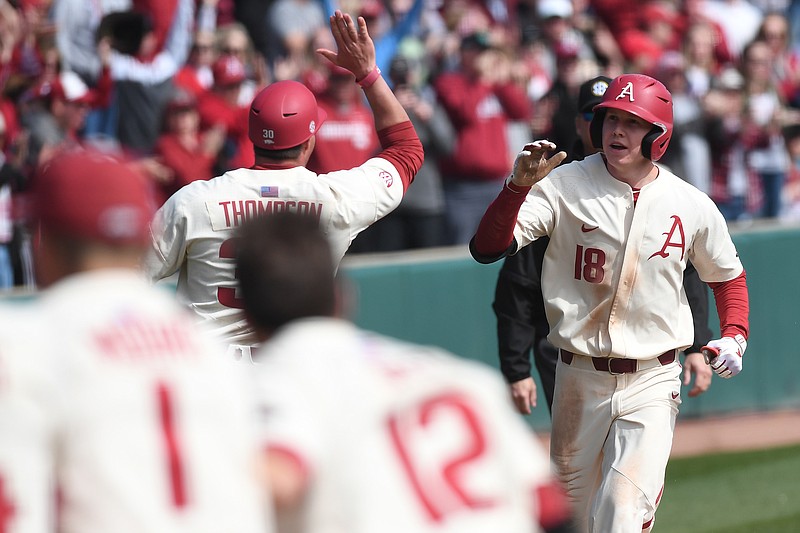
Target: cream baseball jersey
27, 486
142, 425
396, 437
193, 230
627, 262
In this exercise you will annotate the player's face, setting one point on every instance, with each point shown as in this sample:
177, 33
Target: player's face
622, 138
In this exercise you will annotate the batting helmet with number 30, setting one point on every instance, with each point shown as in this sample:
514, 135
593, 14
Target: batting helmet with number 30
284, 115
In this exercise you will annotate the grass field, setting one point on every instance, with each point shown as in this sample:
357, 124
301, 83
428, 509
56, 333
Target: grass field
750, 492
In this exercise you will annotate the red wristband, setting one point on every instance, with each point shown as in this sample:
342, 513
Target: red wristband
367, 81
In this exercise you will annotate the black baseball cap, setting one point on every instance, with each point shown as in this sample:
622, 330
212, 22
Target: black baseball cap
591, 93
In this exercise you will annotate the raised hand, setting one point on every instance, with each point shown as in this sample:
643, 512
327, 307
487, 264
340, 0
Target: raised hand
355, 49
532, 165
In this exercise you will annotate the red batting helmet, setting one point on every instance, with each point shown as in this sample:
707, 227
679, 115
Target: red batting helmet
284, 115
645, 97
92, 195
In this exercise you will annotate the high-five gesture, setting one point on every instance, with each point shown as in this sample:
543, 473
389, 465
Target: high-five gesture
532, 165
356, 51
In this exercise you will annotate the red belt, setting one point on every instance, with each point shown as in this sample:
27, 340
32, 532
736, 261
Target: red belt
618, 365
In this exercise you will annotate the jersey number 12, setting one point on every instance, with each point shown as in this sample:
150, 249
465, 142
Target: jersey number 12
442, 490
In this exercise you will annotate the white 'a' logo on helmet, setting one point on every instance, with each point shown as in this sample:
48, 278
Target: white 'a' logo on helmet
626, 91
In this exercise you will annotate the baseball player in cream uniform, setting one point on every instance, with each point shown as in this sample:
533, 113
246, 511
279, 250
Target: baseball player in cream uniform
122, 404
364, 433
621, 231
192, 232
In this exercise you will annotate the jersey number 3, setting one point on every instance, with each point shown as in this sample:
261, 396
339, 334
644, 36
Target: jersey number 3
442, 490
227, 295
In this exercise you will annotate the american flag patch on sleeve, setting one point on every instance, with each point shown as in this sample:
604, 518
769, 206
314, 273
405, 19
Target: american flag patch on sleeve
269, 191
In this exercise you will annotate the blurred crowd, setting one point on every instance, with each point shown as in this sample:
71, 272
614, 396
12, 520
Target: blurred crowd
169, 82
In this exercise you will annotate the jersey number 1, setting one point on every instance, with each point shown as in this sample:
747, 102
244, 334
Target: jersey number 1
166, 408
443, 490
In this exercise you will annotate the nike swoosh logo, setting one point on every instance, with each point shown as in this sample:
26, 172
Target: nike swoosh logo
586, 229
675, 395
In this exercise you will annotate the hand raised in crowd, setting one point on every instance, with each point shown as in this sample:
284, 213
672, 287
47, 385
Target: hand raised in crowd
412, 102
213, 139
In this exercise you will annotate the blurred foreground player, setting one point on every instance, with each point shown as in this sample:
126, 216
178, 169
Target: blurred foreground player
365, 433
108, 390
192, 232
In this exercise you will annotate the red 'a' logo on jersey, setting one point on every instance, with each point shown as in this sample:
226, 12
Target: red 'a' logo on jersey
675, 232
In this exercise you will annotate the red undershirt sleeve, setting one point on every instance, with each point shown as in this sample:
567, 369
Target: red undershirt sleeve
733, 305
402, 147
495, 235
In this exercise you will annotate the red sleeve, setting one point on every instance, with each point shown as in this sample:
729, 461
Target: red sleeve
402, 147
102, 89
733, 305
496, 230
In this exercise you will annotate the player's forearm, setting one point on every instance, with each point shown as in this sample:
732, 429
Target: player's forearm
496, 229
386, 109
733, 306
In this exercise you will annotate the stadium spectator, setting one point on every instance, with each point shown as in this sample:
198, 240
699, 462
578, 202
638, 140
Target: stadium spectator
221, 106
195, 75
143, 74
733, 183
480, 99
774, 31
233, 40
187, 151
348, 138
738, 19
688, 154
56, 114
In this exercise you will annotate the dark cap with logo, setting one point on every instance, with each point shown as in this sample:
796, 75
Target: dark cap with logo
591, 93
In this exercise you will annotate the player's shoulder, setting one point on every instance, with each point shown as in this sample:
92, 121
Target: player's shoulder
580, 177
670, 181
199, 190
22, 333
435, 363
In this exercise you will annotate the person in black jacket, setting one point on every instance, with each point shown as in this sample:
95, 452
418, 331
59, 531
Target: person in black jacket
518, 304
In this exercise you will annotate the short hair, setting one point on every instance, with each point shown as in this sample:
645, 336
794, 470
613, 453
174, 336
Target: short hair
278, 155
285, 268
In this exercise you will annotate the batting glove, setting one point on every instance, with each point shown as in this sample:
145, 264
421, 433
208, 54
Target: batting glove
725, 355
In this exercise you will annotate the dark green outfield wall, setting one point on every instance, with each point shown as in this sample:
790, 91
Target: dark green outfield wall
445, 299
